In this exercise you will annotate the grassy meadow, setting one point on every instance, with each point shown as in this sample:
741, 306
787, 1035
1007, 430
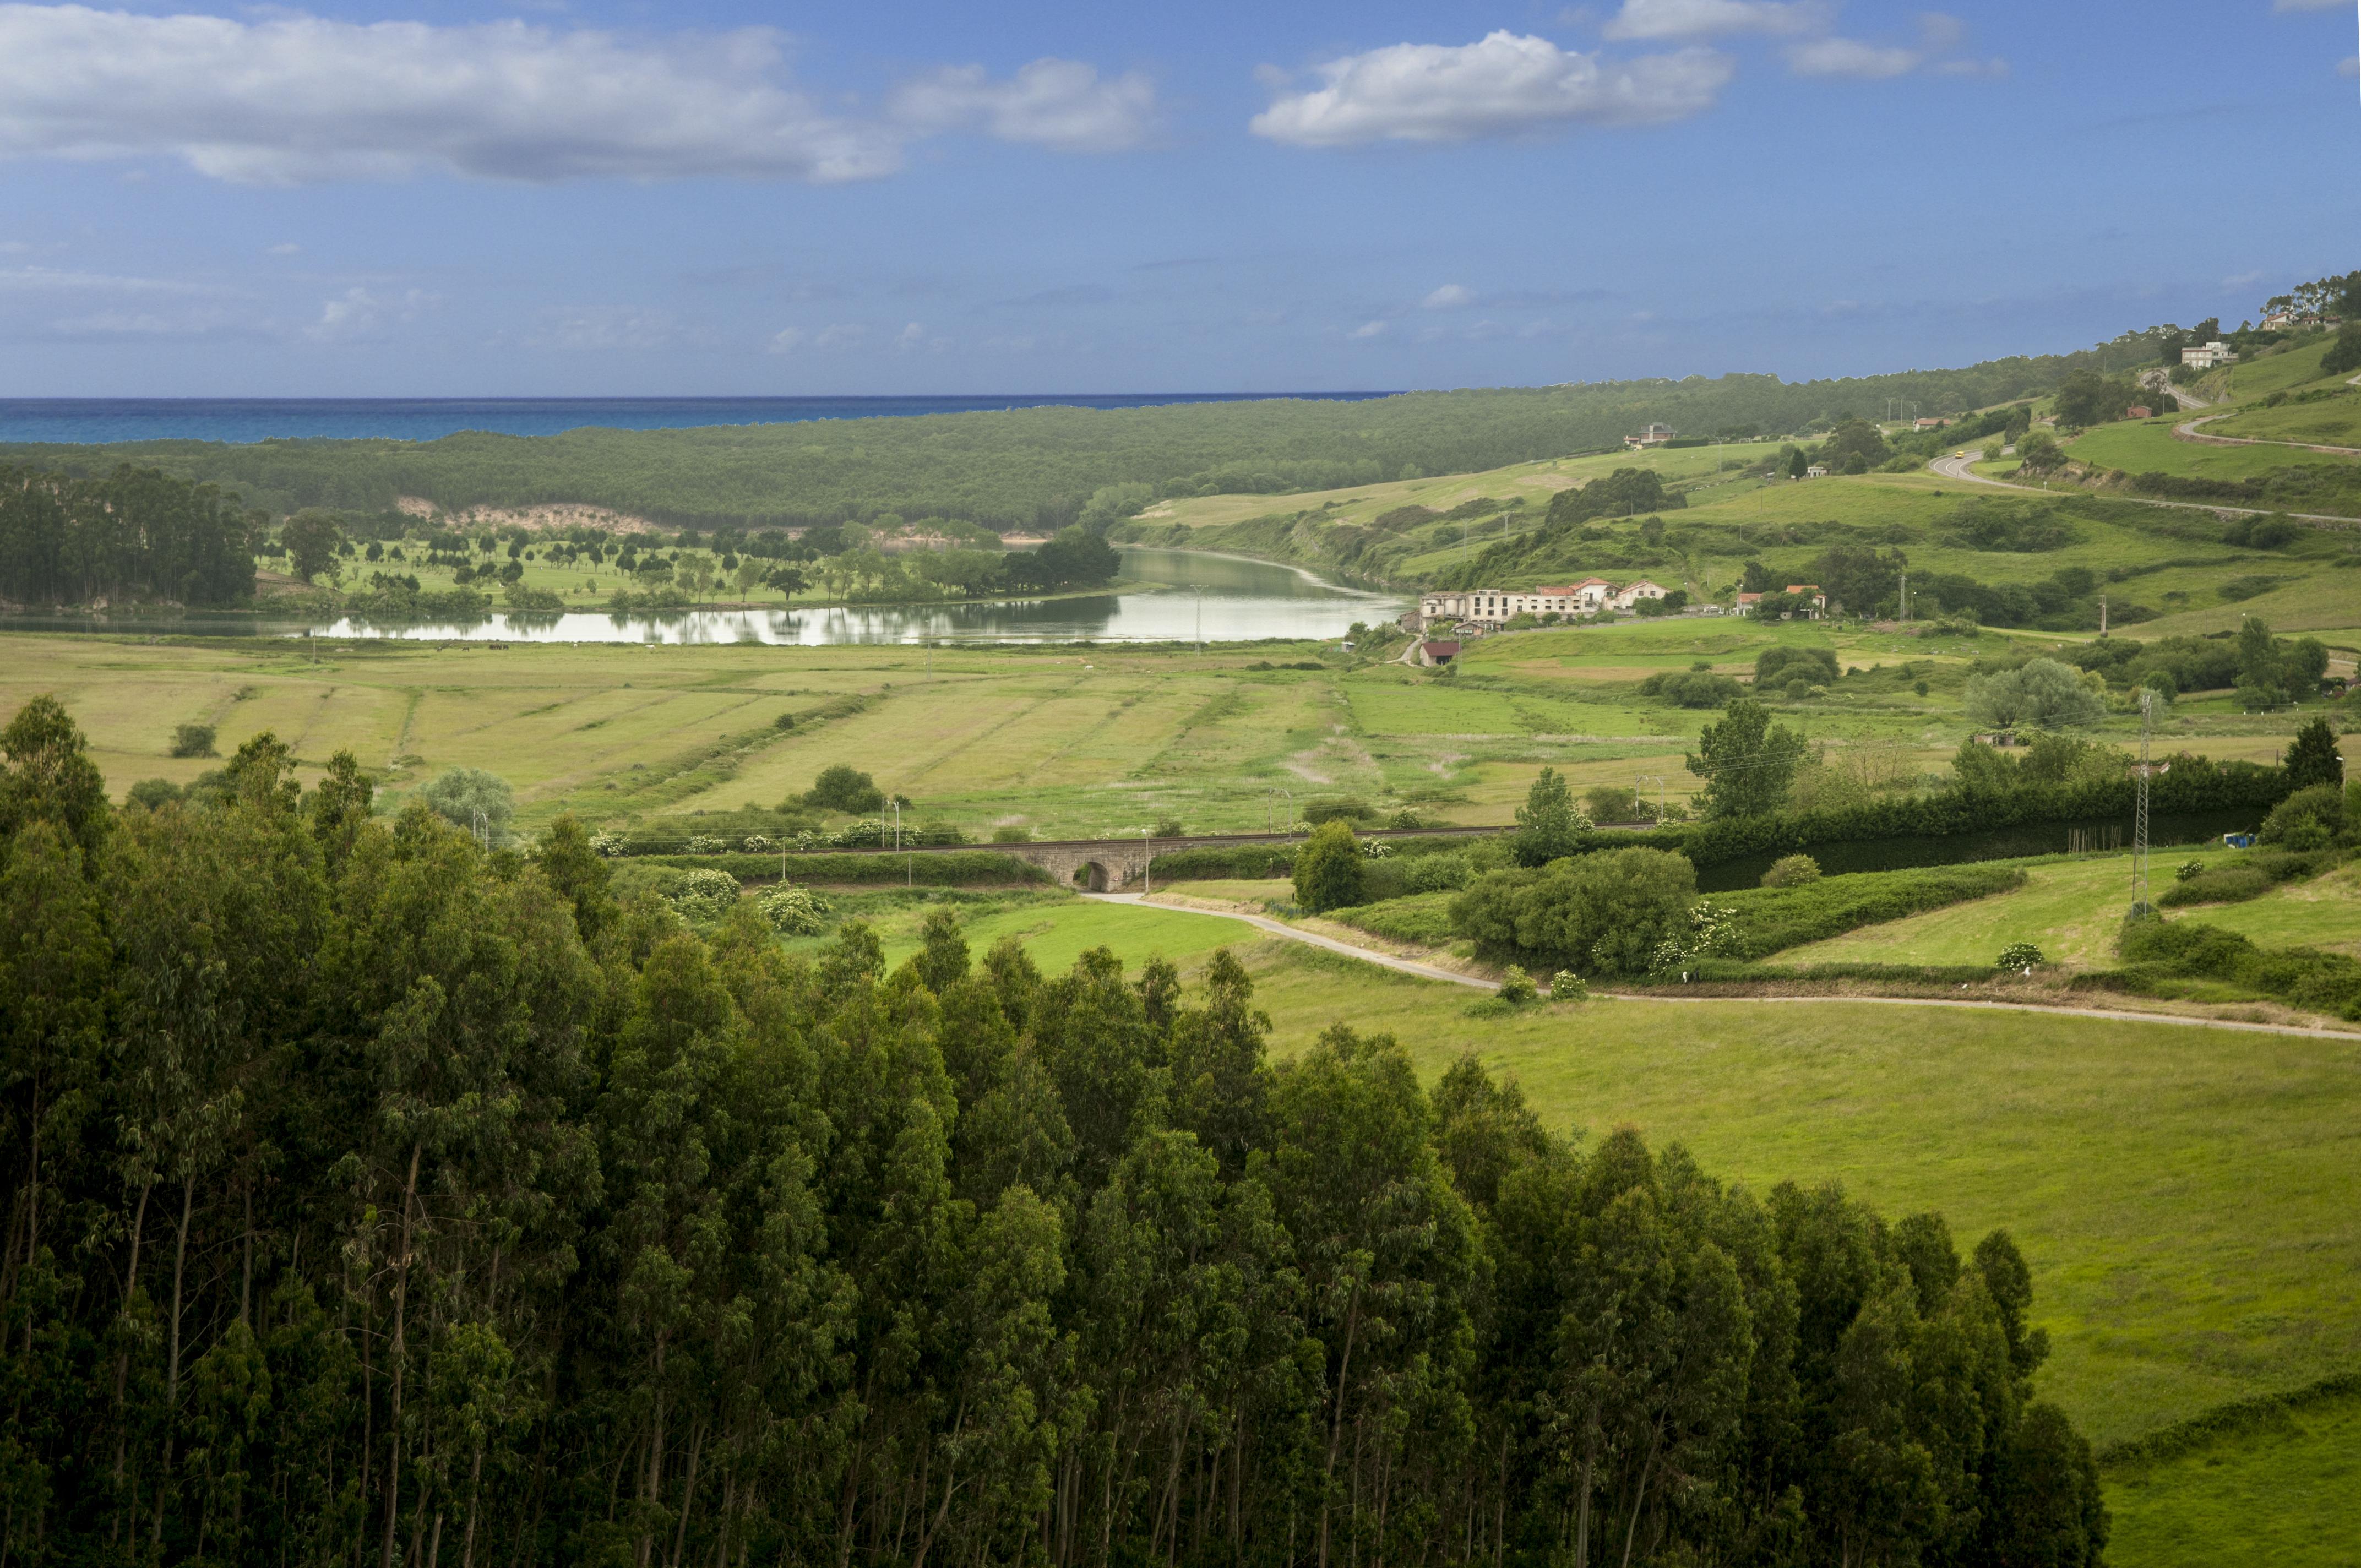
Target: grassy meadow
1063, 742
2125, 1157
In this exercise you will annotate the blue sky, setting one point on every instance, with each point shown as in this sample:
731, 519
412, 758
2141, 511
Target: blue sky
441, 197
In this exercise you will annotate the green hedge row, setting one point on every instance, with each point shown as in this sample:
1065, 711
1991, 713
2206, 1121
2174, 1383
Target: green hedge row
2227, 1421
1708, 970
965, 868
1773, 918
1420, 917
2195, 800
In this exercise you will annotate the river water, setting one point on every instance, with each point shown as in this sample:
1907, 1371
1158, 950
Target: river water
1184, 596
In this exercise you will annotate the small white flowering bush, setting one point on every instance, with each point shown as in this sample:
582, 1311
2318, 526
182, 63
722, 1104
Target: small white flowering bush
794, 911
704, 894
707, 844
608, 844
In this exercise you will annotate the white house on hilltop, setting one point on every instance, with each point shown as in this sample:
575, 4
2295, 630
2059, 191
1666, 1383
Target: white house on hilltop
1634, 592
2206, 356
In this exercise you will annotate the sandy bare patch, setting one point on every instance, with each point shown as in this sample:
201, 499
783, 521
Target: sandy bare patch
555, 515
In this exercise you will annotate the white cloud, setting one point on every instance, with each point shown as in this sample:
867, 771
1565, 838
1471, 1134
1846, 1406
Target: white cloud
285, 250
1061, 103
356, 313
1506, 84
1451, 296
843, 335
1850, 56
1708, 19
1367, 330
52, 279
1938, 34
285, 99
2241, 281
786, 340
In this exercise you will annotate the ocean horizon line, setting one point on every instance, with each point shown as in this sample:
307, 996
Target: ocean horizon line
243, 421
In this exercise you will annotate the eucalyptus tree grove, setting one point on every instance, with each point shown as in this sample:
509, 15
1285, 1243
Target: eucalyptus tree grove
376, 1198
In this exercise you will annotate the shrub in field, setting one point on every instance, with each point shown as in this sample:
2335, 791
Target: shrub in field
1602, 913
610, 844
2220, 884
794, 911
843, 788
1792, 870
2302, 977
1567, 986
1012, 835
2307, 819
1549, 825
707, 844
194, 740
2019, 955
459, 795
702, 896
1328, 870
2188, 869
1777, 666
758, 844
1421, 919
1517, 988
1764, 920
1435, 873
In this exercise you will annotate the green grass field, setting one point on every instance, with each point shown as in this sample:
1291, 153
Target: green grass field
2125, 1157
1065, 742
2281, 1492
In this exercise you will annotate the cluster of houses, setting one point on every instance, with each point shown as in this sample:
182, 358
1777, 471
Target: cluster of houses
1476, 611
1488, 610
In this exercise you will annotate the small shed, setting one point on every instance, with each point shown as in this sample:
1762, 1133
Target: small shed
1438, 653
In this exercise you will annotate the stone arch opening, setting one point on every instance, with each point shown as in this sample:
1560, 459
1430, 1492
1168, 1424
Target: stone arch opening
1092, 877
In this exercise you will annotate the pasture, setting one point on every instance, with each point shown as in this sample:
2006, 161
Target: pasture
1062, 741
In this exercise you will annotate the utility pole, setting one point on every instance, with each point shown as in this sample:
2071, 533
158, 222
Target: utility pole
1906, 597
1658, 780
1147, 855
2103, 617
2141, 908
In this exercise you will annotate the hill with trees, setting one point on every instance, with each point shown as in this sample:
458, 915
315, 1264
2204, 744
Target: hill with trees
1043, 468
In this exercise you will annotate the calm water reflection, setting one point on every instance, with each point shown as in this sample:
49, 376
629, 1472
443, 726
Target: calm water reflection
1222, 598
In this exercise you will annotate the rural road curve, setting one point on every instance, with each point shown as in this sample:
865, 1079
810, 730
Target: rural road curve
1429, 971
2188, 431
1962, 469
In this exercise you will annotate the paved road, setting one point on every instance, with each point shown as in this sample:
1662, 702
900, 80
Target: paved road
1429, 971
2188, 431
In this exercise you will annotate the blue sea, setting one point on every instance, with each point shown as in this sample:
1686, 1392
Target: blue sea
427, 419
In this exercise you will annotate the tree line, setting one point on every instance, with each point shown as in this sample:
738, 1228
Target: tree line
375, 1197
1044, 468
129, 533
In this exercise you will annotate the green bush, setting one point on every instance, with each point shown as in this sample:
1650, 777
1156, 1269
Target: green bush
1328, 870
194, 740
1422, 918
459, 795
841, 788
2306, 819
1435, 873
1337, 808
1517, 988
2019, 955
1777, 666
2161, 951
1792, 870
1567, 986
1768, 919
703, 895
1598, 914
794, 911
2217, 884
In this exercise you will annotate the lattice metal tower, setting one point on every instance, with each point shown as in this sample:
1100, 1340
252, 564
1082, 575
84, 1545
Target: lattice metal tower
2141, 907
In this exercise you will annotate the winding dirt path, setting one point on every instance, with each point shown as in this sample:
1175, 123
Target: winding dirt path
1430, 972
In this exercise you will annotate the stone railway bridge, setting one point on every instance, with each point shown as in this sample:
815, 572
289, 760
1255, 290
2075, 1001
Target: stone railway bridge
1110, 866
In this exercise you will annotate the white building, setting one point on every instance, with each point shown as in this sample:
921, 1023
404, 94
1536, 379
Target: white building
1633, 593
2205, 357
1654, 436
1495, 608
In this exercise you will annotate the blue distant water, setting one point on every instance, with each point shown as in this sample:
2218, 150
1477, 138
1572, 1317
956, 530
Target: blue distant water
428, 419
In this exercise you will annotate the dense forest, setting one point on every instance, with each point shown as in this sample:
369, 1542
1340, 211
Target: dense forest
133, 534
1043, 468
374, 1198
